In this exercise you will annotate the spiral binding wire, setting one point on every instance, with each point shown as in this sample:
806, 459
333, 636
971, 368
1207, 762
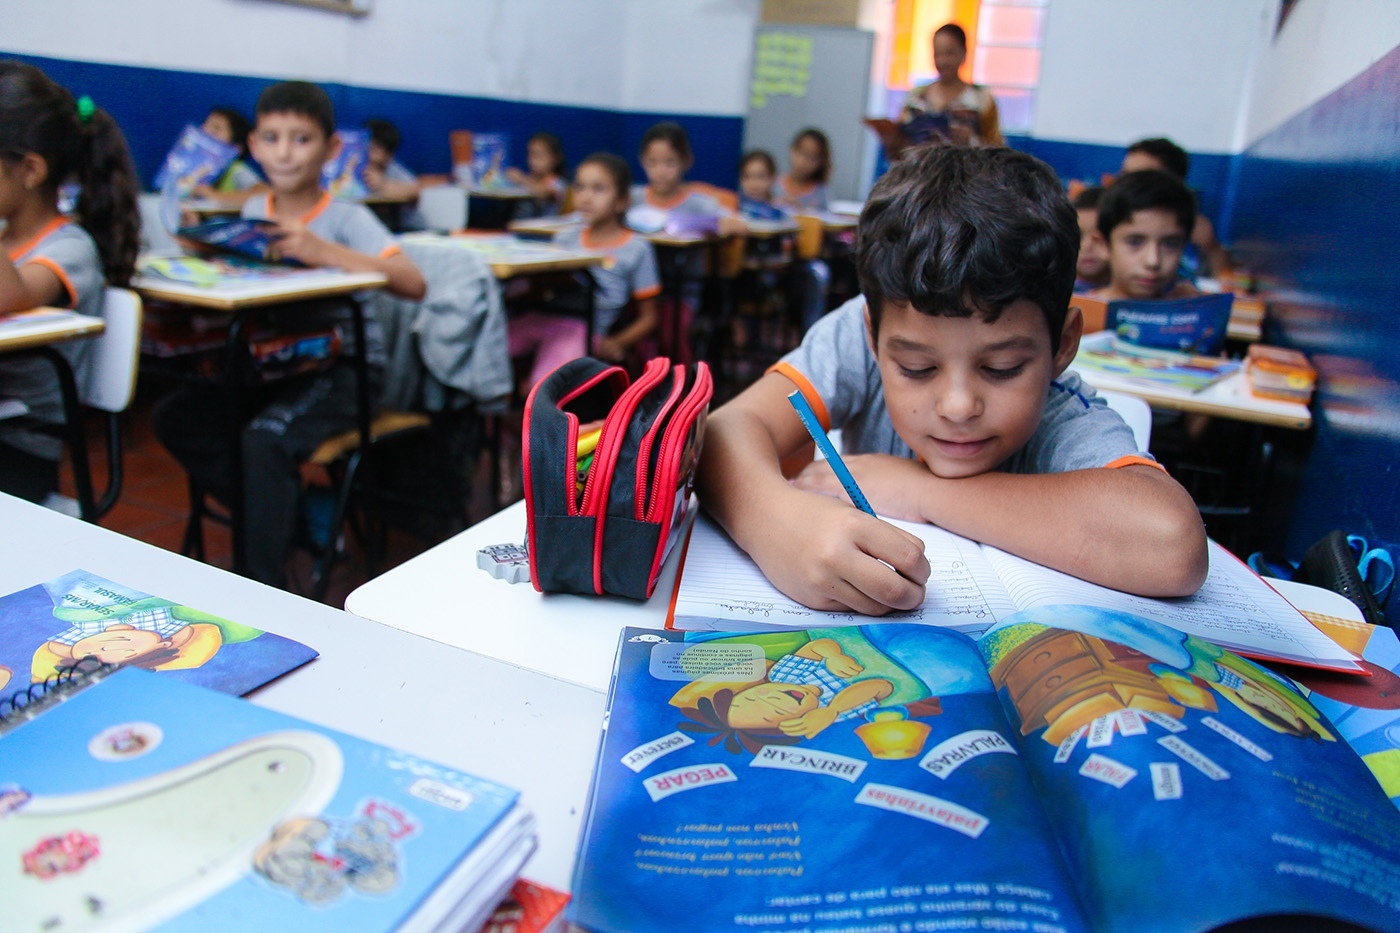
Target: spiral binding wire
23, 705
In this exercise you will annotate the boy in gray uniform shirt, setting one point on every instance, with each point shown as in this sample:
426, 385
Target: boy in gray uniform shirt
948, 381
293, 139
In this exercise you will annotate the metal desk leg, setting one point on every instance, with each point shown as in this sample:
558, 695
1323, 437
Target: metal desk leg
74, 435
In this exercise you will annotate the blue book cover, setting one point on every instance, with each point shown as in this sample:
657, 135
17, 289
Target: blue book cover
1074, 769
489, 159
196, 159
1187, 325
48, 627
250, 238
750, 209
139, 802
343, 175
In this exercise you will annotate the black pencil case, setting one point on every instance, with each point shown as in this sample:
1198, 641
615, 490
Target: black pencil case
607, 528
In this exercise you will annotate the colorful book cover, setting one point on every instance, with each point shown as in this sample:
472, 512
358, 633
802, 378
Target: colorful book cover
211, 271
489, 154
1186, 325
196, 159
344, 174
1074, 769
140, 802
48, 627
250, 238
927, 127
749, 209
1166, 369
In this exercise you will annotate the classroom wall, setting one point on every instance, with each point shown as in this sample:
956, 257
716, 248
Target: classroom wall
595, 71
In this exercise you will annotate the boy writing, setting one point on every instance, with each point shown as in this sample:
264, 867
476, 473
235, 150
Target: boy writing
293, 138
948, 378
1145, 218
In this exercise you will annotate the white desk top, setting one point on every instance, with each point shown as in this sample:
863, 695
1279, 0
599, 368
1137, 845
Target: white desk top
441, 594
521, 728
43, 326
235, 294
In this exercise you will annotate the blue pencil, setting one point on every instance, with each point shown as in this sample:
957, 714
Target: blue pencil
828, 449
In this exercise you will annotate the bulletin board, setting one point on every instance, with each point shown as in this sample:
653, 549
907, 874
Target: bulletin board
812, 76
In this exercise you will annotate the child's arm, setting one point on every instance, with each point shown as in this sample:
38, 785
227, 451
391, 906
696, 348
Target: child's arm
295, 241
1132, 528
29, 286
614, 347
822, 552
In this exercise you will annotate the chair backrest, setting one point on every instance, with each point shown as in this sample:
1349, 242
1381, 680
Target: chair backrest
115, 354
443, 207
811, 233
1133, 410
1094, 311
727, 197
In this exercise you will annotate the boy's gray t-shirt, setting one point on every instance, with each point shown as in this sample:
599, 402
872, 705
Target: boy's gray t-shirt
352, 225
1077, 430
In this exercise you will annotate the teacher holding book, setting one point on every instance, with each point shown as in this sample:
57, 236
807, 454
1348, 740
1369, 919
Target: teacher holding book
949, 108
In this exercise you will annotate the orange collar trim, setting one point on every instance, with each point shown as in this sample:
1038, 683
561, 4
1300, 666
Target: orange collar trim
33, 241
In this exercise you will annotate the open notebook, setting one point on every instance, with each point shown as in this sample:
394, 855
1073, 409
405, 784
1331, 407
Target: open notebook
973, 586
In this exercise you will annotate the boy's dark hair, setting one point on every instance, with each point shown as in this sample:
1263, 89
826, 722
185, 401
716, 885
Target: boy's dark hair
556, 149
818, 137
1173, 158
759, 155
384, 133
302, 98
80, 142
238, 127
1089, 198
1146, 190
673, 134
954, 32
617, 169
958, 231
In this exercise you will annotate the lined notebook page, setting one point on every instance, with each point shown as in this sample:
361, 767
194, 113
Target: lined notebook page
1234, 609
721, 589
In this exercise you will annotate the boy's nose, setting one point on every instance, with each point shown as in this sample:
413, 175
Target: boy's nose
1153, 255
959, 402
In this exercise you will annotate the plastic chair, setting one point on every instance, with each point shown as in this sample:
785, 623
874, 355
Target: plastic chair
1133, 410
443, 207
154, 236
1095, 313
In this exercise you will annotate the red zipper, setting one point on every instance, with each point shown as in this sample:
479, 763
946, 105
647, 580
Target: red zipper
673, 441
640, 500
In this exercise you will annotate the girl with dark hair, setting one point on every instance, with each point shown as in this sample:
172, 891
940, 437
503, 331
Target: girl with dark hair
48, 139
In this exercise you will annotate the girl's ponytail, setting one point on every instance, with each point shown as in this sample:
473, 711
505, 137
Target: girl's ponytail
107, 207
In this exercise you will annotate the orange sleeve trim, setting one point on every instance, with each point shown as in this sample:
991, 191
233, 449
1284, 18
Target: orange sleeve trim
808, 391
393, 249
1134, 460
63, 278
642, 294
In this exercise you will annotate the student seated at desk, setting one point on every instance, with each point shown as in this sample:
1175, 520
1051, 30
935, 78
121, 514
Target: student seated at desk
1091, 271
1166, 156
51, 259
1145, 218
949, 379
666, 156
239, 181
803, 189
386, 176
293, 138
626, 275
544, 157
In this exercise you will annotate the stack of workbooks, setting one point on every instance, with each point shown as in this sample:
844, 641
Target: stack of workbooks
1111, 356
139, 801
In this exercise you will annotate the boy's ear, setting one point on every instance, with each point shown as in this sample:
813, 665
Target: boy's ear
333, 146
1070, 333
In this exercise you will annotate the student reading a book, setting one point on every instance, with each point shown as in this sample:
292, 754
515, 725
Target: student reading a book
48, 258
293, 138
1091, 271
803, 189
949, 379
758, 173
1145, 218
1164, 155
544, 157
239, 181
385, 174
948, 108
627, 276
666, 156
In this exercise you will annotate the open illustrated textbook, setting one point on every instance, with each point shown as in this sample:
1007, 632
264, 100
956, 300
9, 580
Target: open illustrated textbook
141, 802
973, 586
1075, 768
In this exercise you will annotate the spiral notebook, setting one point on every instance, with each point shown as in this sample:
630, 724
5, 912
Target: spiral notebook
131, 801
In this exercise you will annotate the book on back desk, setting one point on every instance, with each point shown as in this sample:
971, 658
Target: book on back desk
1073, 769
972, 586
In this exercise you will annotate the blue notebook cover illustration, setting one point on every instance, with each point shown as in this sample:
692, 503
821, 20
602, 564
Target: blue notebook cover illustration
48, 627
139, 802
1187, 325
196, 159
1075, 769
759, 210
489, 159
250, 238
343, 175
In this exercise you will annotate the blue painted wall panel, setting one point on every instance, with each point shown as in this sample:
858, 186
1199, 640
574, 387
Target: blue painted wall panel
1317, 213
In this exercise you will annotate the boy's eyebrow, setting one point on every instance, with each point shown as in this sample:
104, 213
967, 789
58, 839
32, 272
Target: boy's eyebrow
1018, 342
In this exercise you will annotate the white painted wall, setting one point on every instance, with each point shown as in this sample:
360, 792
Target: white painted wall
679, 56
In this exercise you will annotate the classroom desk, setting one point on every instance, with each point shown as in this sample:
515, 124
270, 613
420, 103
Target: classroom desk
509, 257
34, 333
1228, 398
441, 594
466, 711
240, 299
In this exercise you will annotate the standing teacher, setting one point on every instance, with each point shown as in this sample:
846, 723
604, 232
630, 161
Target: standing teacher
966, 114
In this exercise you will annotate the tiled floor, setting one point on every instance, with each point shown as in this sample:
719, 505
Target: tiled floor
153, 507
